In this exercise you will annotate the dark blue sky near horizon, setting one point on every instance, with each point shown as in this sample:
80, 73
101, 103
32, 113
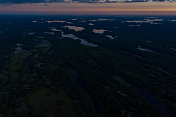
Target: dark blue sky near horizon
89, 7
81, 1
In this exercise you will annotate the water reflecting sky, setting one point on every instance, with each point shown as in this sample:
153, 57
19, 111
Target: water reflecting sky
89, 7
